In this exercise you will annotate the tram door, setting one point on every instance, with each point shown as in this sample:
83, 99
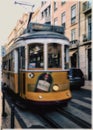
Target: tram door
21, 74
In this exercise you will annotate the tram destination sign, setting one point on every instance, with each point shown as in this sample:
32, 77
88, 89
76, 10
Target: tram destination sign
45, 27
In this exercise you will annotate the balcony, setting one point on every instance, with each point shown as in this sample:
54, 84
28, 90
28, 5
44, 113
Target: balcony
87, 7
73, 44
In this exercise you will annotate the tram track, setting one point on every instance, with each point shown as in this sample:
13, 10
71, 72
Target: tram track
77, 120
50, 121
59, 121
81, 107
59, 117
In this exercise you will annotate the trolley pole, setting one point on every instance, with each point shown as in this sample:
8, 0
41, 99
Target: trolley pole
12, 115
30, 14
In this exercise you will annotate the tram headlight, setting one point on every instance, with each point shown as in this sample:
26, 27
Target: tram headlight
55, 88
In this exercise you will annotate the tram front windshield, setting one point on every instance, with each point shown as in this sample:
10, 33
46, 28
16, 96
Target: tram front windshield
54, 55
37, 54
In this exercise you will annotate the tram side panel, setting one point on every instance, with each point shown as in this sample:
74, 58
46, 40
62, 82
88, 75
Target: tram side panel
10, 80
10, 76
5, 78
14, 82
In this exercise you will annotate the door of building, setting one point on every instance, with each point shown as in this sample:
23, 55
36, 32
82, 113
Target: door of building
89, 65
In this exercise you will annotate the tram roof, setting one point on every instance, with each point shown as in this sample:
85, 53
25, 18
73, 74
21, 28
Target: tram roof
41, 34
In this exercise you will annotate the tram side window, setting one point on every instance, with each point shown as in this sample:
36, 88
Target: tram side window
11, 61
8, 62
5, 64
54, 55
36, 56
21, 55
66, 58
9, 65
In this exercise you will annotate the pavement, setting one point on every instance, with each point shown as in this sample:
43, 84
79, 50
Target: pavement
5, 122
88, 83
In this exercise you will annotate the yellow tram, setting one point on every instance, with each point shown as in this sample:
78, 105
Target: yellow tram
35, 67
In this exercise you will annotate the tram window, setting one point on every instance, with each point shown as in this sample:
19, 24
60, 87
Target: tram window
12, 62
23, 57
21, 54
36, 56
54, 55
5, 65
66, 53
9, 65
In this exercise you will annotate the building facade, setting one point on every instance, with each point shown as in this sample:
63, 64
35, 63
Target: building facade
86, 38
18, 30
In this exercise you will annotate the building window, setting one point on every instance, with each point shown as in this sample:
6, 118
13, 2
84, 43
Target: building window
46, 13
42, 3
87, 5
56, 21
42, 14
63, 2
55, 6
63, 19
73, 14
89, 28
48, 10
73, 35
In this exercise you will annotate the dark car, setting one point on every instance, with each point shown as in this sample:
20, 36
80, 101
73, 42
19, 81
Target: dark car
76, 78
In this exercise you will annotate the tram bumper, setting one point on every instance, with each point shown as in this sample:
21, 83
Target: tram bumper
51, 98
